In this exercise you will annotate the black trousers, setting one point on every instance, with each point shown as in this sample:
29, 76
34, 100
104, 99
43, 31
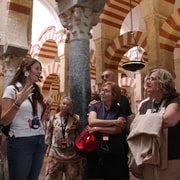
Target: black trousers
107, 166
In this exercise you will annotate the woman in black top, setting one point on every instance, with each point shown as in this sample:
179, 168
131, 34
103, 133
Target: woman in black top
107, 119
160, 87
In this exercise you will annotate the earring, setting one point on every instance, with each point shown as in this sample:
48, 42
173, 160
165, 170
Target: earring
26, 73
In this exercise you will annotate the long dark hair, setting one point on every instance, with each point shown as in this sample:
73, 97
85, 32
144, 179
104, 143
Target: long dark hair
19, 77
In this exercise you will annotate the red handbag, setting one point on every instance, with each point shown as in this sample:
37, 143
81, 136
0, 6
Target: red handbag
85, 142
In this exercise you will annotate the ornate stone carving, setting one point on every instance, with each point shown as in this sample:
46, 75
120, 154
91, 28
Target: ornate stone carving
79, 16
10, 64
79, 22
95, 5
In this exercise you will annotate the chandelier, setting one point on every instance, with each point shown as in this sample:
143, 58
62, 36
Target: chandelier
134, 62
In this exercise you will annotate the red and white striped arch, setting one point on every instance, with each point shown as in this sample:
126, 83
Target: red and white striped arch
121, 45
50, 33
53, 68
19, 7
51, 40
169, 32
115, 12
127, 82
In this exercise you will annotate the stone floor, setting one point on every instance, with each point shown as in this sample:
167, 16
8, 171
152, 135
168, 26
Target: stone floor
42, 175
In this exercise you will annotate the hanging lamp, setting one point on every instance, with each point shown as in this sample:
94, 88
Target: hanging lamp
133, 64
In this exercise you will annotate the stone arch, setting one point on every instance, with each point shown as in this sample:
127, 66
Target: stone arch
53, 68
169, 32
51, 88
50, 33
127, 82
116, 16
121, 45
49, 43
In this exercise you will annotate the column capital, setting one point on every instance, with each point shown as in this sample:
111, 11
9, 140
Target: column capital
96, 6
79, 16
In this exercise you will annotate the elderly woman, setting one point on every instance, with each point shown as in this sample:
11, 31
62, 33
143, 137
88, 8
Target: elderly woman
107, 119
62, 130
161, 88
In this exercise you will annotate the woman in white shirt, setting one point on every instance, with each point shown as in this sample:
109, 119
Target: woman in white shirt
23, 107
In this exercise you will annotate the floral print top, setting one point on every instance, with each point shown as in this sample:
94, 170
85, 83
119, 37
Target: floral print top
60, 136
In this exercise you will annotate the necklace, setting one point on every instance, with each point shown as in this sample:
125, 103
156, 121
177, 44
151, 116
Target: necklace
156, 107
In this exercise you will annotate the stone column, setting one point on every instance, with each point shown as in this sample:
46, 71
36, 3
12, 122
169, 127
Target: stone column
64, 87
14, 37
155, 14
79, 17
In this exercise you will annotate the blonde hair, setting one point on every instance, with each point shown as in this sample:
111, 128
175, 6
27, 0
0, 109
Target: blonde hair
166, 82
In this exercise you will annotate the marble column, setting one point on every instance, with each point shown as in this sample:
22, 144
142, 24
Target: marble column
79, 17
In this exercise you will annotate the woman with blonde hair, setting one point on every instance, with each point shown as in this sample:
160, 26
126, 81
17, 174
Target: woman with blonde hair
164, 105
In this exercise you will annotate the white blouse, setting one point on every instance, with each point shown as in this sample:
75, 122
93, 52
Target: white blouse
20, 126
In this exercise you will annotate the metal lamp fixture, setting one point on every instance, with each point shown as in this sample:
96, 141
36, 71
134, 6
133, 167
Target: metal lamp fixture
134, 63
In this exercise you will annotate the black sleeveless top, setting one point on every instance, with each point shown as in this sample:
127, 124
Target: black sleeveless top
173, 132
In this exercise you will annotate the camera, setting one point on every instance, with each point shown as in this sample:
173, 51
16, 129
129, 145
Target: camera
35, 124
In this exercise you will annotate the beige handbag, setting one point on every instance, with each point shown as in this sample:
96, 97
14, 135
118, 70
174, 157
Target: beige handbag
149, 124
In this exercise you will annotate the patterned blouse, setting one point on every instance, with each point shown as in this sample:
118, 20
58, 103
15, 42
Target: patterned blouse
60, 136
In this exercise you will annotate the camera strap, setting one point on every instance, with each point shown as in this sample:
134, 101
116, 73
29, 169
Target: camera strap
34, 106
64, 125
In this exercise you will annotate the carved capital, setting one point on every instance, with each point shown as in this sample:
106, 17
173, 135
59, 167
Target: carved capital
10, 64
78, 16
95, 5
79, 21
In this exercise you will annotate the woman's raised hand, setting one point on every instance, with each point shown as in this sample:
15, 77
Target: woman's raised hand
24, 93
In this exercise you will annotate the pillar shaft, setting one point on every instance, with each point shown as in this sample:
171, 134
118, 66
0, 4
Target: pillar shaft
80, 77
79, 17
